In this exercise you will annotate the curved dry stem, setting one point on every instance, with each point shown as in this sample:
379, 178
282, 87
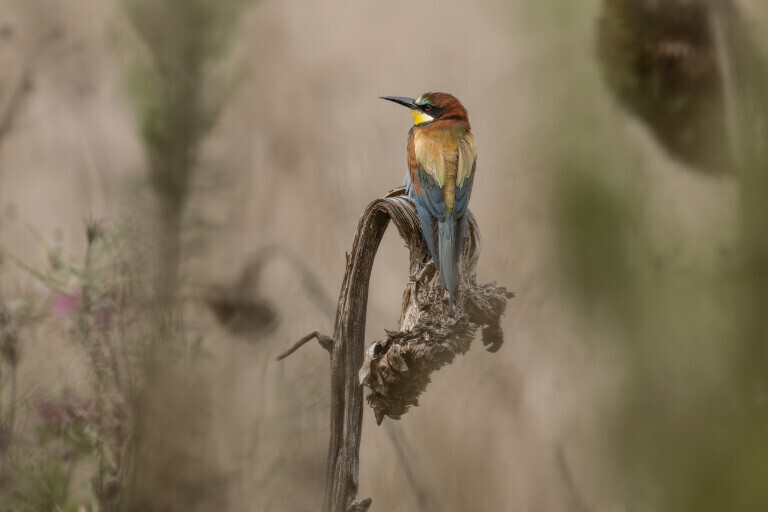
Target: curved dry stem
398, 368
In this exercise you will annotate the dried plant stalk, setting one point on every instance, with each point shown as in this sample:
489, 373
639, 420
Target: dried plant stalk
398, 368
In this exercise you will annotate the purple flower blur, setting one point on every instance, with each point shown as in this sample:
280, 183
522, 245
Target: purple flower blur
61, 413
65, 305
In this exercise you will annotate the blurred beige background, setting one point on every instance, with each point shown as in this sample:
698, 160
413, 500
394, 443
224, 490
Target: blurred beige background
301, 148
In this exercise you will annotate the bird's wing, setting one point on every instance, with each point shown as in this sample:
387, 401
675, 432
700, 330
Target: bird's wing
431, 209
464, 190
467, 162
462, 202
467, 159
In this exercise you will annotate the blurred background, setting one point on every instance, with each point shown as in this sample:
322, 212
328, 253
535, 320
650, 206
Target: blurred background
180, 181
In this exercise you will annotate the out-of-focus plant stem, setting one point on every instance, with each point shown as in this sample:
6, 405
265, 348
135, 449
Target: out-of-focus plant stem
177, 104
9, 354
177, 108
94, 348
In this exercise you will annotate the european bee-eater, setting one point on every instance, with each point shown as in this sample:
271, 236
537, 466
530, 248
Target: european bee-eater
441, 168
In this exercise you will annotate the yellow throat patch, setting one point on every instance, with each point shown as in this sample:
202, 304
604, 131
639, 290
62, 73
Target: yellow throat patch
420, 117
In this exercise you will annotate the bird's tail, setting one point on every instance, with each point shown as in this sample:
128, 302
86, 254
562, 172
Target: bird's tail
449, 257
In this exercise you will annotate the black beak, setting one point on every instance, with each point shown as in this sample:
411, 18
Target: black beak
406, 102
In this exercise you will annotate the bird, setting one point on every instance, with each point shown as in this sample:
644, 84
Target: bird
442, 157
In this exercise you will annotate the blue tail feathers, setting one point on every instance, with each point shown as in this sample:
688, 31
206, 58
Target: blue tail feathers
448, 245
443, 230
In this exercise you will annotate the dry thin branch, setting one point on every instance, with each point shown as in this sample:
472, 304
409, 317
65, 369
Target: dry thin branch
426, 499
325, 341
577, 501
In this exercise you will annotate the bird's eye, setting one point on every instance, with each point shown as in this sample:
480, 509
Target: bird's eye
427, 108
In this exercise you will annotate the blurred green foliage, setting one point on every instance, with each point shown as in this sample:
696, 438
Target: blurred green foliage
689, 432
179, 87
599, 225
44, 486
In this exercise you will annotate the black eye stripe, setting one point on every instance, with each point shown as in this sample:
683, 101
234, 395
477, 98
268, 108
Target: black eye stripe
431, 110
